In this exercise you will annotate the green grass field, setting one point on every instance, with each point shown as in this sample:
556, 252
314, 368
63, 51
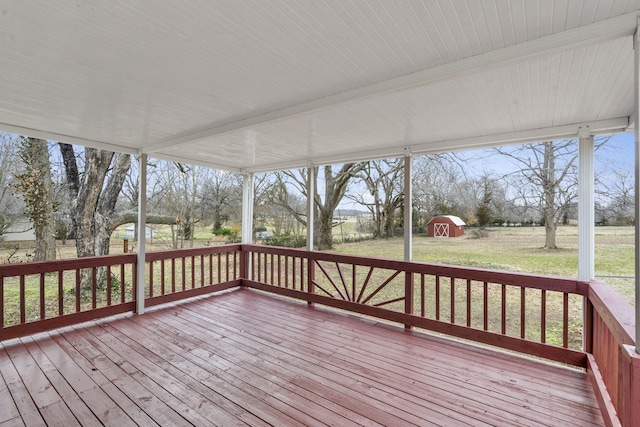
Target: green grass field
509, 249
519, 249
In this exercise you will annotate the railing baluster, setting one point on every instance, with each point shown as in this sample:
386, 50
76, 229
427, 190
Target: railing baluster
202, 270
437, 297
286, 271
279, 271
162, 278
259, 267
23, 302
453, 300
60, 293
311, 277
468, 303
122, 283
94, 287
266, 267
108, 285
503, 314
485, 306
193, 272
543, 316
150, 279
211, 269
1, 301
422, 295
523, 311
227, 264
408, 295
173, 275
353, 282
77, 290
184, 273
565, 320
272, 268
42, 313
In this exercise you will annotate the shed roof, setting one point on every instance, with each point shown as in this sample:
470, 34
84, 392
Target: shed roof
256, 85
457, 221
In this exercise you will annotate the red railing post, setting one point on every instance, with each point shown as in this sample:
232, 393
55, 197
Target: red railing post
311, 276
587, 326
244, 264
629, 386
408, 295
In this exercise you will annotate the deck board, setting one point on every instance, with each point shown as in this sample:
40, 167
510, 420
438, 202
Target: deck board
245, 358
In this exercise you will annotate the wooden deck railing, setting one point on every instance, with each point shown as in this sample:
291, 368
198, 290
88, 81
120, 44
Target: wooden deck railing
536, 315
39, 296
578, 323
182, 273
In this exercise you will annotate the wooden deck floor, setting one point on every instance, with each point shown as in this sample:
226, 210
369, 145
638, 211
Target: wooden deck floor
244, 358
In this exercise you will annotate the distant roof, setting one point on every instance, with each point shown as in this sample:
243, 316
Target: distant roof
455, 219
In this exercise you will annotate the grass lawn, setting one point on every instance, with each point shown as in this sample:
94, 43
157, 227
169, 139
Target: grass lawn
519, 249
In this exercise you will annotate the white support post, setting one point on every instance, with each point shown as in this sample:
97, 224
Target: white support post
247, 209
636, 128
586, 207
408, 206
311, 191
142, 233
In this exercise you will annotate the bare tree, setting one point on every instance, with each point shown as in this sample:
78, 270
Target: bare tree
547, 174
619, 194
11, 207
94, 193
335, 182
220, 197
436, 186
384, 183
35, 184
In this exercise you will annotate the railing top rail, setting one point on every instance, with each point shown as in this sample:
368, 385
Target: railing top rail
37, 267
535, 281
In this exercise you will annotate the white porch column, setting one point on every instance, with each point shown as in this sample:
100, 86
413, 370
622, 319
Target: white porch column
247, 209
142, 233
636, 128
408, 206
311, 191
586, 207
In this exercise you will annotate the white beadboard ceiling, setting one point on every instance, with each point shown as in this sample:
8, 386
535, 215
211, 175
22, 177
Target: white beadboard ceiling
261, 85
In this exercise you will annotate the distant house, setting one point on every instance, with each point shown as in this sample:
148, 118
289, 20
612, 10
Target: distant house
130, 232
20, 230
445, 226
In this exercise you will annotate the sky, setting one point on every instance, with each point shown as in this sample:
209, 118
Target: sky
616, 154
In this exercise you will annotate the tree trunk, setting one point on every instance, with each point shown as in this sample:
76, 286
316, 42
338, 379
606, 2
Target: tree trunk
549, 187
94, 202
36, 186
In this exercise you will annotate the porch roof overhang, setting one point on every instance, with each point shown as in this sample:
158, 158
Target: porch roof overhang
256, 86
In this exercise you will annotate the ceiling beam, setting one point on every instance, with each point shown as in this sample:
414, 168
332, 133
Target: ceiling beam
609, 29
610, 126
36, 133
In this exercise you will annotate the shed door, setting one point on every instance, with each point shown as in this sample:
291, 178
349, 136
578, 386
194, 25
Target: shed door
441, 230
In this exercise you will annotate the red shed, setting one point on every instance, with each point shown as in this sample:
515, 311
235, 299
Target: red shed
445, 226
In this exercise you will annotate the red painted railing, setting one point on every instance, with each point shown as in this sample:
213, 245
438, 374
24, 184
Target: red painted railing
579, 323
537, 315
39, 296
183, 273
